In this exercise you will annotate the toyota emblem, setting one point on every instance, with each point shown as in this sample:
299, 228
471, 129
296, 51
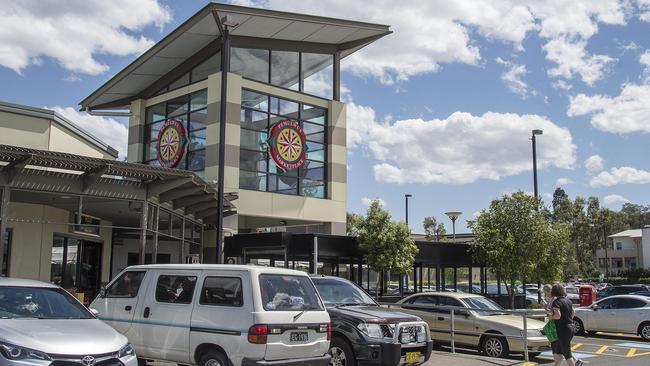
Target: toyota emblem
88, 361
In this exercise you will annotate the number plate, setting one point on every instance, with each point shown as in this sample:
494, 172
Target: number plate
299, 337
412, 356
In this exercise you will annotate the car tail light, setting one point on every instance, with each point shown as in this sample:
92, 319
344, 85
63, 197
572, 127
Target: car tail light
326, 328
257, 334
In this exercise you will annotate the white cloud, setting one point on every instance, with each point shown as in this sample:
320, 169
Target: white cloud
594, 164
626, 113
645, 61
564, 182
614, 200
459, 149
622, 175
367, 201
512, 77
73, 32
572, 58
644, 7
106, 129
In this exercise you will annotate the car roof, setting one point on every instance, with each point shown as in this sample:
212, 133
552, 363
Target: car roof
630, 296
22, 282
229, 267
455, 295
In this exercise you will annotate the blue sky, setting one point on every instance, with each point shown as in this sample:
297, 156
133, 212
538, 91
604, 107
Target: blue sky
441, 109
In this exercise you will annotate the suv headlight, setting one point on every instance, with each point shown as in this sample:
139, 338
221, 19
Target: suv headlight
371, 330
13, 352
126, 351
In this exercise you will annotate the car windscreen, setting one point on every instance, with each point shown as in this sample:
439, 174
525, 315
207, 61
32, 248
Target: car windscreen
336, 292
40, 303
288, 292
571, 290
483, 304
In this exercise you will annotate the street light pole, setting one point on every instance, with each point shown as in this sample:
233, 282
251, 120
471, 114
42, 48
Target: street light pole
453, 216
535, 133
403, 277
406, 199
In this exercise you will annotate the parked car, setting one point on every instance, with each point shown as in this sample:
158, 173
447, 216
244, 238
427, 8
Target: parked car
621, 314
42, 324
366, 333
490, 332
218, 315
572, 294
620, 290
641, 293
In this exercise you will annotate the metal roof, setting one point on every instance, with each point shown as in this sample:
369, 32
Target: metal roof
203, 29
60, 120
68, 173
634, 233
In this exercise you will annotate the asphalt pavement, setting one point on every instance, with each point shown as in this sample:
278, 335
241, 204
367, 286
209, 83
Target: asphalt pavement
595, 350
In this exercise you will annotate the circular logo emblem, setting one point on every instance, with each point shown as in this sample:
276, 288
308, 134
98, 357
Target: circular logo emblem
88, 361
171, 143
287, 145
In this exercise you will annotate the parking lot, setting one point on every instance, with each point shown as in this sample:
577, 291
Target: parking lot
600, 349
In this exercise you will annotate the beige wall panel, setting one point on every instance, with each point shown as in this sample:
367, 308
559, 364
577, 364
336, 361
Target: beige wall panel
263, 204
338, 154
65, 141
338, 191
24, 131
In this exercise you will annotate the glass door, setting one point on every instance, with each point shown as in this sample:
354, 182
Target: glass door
89, 275
76, 266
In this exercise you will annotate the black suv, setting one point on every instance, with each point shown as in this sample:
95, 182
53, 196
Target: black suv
366, 334
620, 290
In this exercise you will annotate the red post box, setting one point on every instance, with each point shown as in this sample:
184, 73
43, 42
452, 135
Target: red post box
587, 295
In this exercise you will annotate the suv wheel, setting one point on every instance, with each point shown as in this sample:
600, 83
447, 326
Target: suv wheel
341, 352
644, 331
494, 346
213, 358
580, 327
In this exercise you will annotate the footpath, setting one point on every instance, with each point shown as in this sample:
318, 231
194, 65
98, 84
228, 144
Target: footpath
460, 359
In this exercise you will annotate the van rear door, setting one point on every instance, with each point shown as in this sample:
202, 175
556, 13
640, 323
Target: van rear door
296, 318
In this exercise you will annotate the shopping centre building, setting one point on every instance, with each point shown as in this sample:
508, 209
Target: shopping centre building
74, 215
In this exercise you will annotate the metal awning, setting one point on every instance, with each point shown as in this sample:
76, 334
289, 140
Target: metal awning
203, 30
52, 171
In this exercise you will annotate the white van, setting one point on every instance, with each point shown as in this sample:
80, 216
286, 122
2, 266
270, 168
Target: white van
218, 315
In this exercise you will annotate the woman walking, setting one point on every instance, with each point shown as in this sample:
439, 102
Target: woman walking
562, 313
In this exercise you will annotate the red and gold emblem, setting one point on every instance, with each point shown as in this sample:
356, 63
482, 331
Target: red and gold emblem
287, 145
171, 143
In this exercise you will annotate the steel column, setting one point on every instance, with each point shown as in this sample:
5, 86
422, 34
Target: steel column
144, 219
225, 68
156, 218
4, 215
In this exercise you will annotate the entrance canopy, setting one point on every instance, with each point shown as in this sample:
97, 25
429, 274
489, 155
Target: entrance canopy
40, 170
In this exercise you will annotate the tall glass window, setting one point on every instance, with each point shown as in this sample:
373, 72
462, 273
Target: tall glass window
285, 69
191, 112
250, 63
257, 171
318, 74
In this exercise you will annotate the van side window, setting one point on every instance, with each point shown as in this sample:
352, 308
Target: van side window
126, 286
175, 289
222, 291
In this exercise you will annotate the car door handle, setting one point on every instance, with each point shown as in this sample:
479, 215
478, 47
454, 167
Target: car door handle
128, 308
147, 312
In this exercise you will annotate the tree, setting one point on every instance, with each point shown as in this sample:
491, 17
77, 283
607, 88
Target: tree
388, 244
353, 223
434, 230
519, 241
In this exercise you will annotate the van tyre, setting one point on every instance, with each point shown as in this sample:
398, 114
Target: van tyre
213, 358
494, 346
644, 331
341, 352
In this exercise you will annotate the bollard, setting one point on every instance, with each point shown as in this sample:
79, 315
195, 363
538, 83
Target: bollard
453, 331
525, 337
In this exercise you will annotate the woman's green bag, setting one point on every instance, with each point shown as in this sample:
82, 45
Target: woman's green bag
550, 331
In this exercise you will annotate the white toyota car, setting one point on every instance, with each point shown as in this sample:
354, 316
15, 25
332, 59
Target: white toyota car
620, 314
42, 324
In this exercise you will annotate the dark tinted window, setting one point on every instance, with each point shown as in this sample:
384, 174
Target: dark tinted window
424, 300
629, 303
127, 285
223, 291
175, 289
607, 304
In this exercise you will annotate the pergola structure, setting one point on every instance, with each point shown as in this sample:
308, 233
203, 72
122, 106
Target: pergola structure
28, 170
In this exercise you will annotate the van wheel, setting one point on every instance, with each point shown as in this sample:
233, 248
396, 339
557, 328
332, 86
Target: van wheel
341, 352
213, 358
495, 346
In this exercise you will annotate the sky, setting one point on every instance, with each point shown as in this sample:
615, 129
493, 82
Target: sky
442, 109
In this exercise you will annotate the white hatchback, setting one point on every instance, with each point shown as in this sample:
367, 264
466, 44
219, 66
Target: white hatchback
620, 314
41, 324
218, 315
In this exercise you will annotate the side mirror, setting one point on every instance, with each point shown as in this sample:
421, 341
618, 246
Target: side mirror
95, 312
102, 292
